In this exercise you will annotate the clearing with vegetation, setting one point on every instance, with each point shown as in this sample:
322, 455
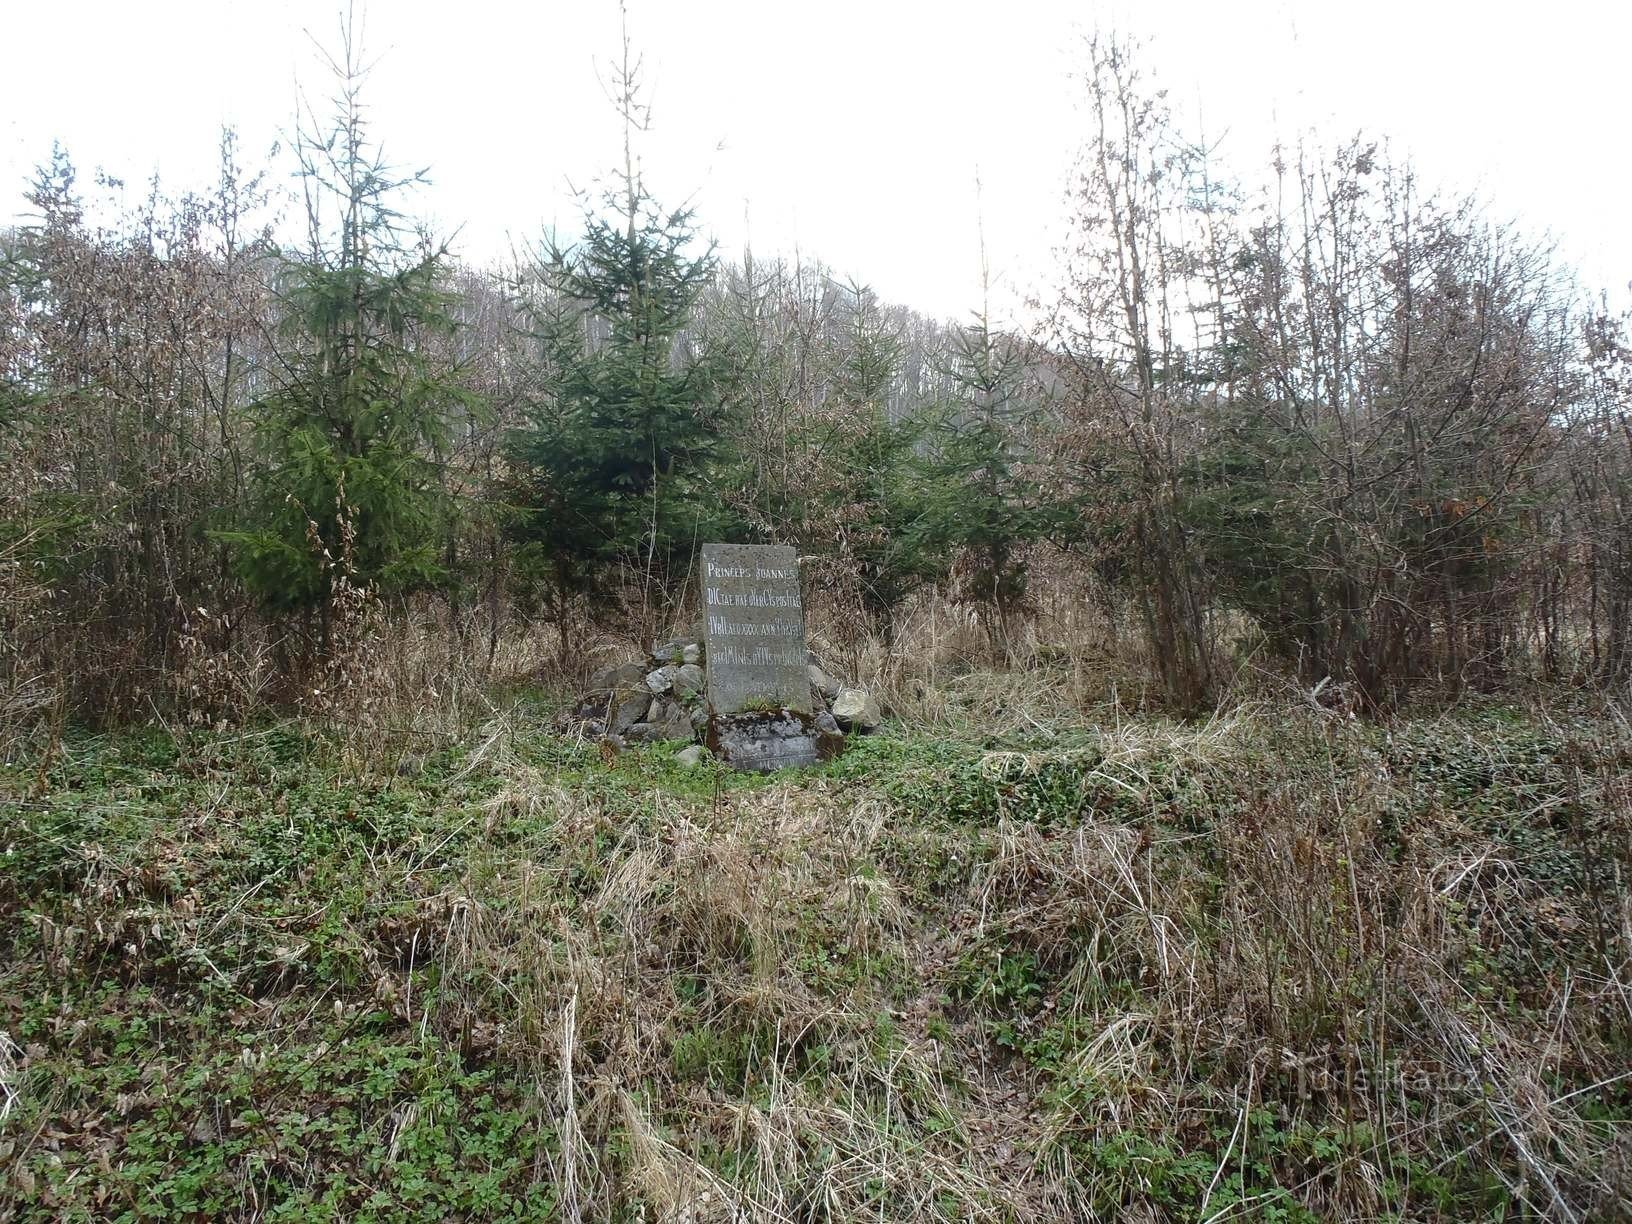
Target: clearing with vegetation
1209, 685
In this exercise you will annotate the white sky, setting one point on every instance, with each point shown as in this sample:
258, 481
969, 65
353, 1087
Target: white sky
850, 129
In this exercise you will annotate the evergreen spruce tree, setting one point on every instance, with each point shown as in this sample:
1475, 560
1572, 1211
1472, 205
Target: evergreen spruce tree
347, 481
613, 465
982, 510
877, 496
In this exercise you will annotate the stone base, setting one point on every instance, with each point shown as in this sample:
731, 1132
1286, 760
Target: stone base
778, 739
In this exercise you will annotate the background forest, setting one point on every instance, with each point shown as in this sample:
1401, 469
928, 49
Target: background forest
1317, 424
1314, 423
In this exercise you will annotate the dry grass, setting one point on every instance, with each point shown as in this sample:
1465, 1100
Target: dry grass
730, 901
1286, 964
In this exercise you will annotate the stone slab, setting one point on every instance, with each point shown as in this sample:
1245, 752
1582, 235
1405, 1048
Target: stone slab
761, 743
754, 629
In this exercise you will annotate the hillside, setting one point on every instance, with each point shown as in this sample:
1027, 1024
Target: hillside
1273, 965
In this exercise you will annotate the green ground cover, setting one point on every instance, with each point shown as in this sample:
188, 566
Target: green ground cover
1268, 967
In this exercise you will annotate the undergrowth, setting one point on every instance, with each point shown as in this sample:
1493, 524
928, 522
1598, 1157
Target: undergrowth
1271, 966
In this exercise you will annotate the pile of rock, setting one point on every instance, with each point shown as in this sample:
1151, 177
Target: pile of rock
666, 698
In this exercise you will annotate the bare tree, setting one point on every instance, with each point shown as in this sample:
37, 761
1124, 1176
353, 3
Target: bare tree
1128, 270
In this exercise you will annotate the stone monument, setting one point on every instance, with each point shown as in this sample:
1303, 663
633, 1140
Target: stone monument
754, 629
759, 694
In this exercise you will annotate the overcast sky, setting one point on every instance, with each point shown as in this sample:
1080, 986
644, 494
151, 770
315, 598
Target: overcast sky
848, 129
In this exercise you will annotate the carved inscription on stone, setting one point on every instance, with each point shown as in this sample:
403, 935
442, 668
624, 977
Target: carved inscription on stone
754, 627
